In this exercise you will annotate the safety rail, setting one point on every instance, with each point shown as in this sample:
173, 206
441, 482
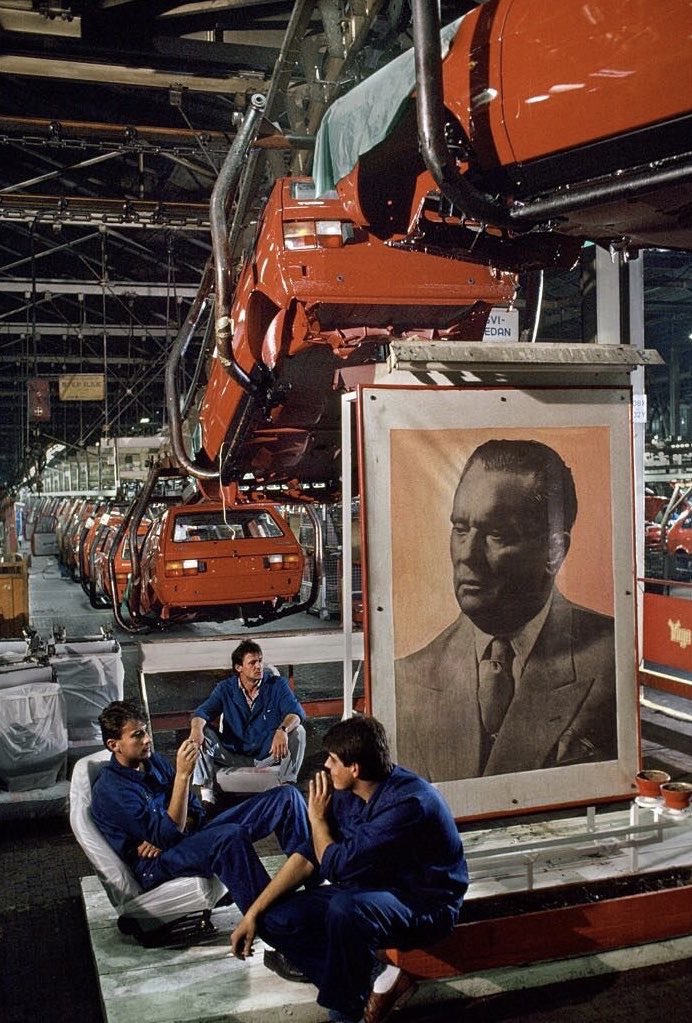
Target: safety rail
610, 839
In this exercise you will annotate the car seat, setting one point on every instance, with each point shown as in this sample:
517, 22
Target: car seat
246, 781
178, 909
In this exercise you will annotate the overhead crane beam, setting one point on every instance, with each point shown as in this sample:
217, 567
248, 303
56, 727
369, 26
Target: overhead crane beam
94, 210
139, 77
51, 358
76, 331
22, 286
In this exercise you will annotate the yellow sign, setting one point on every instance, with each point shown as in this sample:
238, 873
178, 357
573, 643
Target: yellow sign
82, 387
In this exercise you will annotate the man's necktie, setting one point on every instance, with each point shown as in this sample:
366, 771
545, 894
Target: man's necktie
495, 684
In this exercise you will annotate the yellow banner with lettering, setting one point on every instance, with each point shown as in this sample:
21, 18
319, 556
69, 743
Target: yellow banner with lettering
82, 387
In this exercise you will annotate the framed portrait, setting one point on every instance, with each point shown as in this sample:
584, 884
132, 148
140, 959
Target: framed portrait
501, 654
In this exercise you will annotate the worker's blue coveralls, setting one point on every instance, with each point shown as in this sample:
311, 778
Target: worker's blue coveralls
129, 807
398, 877
248, 732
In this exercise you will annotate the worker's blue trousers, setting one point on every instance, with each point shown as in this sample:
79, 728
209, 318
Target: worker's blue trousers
224, 845
331, 934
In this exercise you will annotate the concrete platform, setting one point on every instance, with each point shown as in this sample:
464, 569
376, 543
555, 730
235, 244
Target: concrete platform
204, 983
174, 985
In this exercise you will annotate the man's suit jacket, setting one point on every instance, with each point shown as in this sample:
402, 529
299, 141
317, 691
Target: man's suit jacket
563, 711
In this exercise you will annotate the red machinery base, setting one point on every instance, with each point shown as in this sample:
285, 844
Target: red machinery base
576, 930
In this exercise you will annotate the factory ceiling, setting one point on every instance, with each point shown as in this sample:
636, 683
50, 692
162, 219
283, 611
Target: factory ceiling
115, 117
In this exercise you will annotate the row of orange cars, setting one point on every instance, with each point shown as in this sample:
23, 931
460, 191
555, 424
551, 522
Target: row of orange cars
668, 534
80, 531
202, 560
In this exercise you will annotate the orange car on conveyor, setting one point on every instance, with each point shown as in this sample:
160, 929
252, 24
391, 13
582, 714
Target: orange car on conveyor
101, 588
317, 296
535, 122
213, 562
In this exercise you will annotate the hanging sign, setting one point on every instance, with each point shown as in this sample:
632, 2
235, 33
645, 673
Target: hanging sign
82, 387
502, 326
38, 395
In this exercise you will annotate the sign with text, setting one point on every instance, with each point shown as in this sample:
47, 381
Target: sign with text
668, 634
502, 326
82, 387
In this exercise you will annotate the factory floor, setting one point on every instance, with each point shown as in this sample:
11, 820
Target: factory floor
53, 968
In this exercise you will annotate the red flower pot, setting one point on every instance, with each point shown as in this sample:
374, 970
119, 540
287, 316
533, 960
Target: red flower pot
676, 794
649, 783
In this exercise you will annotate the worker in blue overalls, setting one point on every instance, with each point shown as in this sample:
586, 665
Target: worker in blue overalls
386, 842
148, 814
262, 723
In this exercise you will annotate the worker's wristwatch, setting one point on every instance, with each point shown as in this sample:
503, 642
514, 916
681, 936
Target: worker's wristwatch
283, 728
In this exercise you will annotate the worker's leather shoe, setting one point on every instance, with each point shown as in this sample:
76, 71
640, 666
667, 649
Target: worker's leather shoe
379, 1006
283, 967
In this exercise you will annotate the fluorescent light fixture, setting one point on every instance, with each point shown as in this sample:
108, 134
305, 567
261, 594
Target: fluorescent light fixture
52, 451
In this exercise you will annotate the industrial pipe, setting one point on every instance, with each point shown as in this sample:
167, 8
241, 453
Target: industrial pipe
175, 425
431, 122
227, 182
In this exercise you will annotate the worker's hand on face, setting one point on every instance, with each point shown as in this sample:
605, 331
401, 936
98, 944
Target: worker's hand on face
319, 796
186, 758
148, 851
242, 938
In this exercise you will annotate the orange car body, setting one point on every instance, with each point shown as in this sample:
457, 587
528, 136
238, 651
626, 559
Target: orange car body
216, 562
567, 121
547, 76
678, 540
70, 543
653, 504
65, 521
86, 537
123, 561
544, 99
318, 294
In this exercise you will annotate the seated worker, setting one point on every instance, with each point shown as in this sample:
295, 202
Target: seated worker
387, 843
149, 816
261, 722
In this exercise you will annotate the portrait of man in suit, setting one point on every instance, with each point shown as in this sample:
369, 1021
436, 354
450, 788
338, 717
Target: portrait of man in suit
523, 679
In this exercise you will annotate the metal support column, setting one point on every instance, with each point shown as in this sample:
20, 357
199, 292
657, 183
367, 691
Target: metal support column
347, 404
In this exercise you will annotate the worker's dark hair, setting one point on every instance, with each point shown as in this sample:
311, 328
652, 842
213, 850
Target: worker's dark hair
362, 741
554, 494
116, 715
248, 646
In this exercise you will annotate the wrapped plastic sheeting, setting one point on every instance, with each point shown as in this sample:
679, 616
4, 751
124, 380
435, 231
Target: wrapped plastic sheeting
33, 736
11, 646
247, 779
44, 544
23, 673
36, 804
151, 909
91, 676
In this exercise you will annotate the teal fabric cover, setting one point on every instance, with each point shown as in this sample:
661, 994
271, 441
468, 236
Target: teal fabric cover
357, 121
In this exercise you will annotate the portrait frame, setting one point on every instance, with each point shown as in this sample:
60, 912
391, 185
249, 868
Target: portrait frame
413, 443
